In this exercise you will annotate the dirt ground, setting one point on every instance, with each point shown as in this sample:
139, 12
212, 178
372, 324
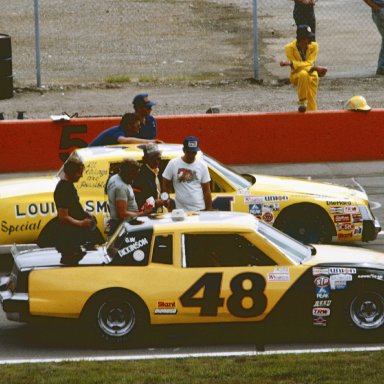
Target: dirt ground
198, 54
188, 98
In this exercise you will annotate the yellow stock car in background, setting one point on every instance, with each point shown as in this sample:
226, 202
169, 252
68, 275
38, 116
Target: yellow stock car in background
211, 267
309, 211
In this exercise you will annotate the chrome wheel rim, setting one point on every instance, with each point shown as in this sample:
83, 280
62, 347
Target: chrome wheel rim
367, 311
116, 318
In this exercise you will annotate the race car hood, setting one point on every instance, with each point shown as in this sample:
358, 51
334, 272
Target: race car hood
27, 186
298, 187
50, 258
344, 255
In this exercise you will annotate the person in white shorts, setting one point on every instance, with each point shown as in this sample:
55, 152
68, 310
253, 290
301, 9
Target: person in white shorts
189, 178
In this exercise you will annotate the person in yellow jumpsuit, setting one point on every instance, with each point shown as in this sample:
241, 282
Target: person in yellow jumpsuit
301, 54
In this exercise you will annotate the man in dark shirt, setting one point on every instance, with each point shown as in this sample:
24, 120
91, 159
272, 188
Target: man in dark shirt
143, 107
74, 224
127, 132
147, 183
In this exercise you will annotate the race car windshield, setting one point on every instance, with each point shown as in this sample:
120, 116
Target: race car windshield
293, 249
237, 180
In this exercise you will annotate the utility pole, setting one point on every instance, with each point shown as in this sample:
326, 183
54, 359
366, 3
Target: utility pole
37, 44
256, 74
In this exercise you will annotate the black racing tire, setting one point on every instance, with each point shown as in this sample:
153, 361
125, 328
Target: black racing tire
115, 318
365, 309
307, 223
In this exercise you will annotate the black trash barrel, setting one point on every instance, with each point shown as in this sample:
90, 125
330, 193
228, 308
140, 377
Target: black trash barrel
6, 78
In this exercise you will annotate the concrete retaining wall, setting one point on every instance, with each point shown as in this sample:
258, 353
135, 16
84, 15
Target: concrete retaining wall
323, 136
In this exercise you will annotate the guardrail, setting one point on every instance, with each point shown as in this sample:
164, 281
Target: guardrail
322, 136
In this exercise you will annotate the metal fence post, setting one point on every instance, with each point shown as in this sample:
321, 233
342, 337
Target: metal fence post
255, 42
37, 44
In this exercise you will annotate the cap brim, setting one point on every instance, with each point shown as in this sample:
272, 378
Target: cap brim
157, 153
150, 103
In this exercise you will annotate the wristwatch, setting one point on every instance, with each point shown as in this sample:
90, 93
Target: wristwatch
164, 196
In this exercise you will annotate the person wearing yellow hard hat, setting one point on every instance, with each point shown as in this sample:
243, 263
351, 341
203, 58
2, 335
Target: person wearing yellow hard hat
357, 103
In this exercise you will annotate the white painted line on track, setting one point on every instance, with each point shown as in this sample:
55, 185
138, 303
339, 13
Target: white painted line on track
374, 205
189, 355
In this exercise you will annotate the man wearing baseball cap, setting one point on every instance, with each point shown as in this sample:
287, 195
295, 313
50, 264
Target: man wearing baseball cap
143, 107
147, 184
302, 54
189, 178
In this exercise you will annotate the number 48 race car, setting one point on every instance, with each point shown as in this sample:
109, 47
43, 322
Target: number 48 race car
211, 267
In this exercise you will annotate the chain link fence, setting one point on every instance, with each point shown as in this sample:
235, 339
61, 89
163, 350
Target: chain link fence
86, 41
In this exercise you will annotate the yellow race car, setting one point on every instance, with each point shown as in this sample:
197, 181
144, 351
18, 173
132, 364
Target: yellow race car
309, 211
198, 268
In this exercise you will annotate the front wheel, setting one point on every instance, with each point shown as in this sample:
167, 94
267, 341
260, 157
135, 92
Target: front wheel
116, 318
306, 223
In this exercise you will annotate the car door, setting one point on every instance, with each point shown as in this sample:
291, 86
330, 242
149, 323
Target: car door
223, 278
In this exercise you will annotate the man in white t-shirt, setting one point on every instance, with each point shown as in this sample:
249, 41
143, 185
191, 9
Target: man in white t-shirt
189, 178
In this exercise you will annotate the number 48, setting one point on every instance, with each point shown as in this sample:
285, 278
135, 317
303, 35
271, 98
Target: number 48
211, 300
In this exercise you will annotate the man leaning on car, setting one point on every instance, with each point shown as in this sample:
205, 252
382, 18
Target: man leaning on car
121, 198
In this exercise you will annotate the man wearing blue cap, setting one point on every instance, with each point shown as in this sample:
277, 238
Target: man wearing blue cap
302, 54
190, 179
143, 107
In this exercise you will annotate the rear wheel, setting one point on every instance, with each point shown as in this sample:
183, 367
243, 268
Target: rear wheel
366, 310
306, 223
117, 318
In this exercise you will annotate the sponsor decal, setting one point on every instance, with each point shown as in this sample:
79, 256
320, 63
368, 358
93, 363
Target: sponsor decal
276, 198
32, 210
371, 276
243, 192
357, 218
253, 199
336, 270
279, 275
335, 210
351, 209
166, 308
319, 271
345, 235
336, 203
322, 281
342, 218
35, 209
268, 217
339, 285
271, 207
322, 303
345, 226
27, 226
322, 293
358, 231
96, 206
320, 321
255, 209
321, 312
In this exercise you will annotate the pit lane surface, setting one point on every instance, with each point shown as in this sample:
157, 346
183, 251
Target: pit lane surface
64, 340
